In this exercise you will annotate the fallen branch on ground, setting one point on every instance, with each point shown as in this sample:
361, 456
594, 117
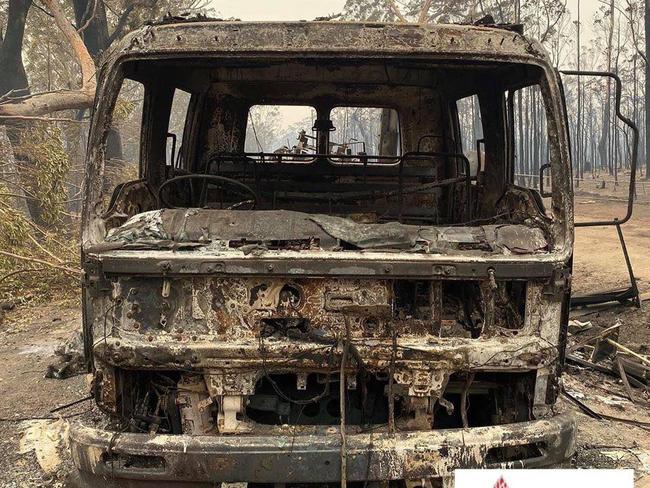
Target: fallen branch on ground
75, 272
594, 338
19, 271
40, 119
601, 416
38, 244
629, 351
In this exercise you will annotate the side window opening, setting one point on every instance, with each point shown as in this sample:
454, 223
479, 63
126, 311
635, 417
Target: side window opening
123, 144
124, 191
530, 140
471, 133
127, 174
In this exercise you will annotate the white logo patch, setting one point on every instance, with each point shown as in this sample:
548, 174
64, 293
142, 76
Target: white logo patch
544, 478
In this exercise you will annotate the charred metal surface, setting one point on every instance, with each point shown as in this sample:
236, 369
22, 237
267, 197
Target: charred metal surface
328, 37
351, 264
301, 458
235, 328
257, 231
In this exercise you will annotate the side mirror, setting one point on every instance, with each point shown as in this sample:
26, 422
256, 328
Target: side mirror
635, 146
631, 293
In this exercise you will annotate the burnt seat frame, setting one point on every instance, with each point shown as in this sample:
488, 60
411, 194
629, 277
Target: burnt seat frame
356, 165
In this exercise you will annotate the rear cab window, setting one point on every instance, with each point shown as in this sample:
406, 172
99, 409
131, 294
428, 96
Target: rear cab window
373, 133
281, 129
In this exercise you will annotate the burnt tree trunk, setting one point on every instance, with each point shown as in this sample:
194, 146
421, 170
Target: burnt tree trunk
12, 75
603, 143
14, 83
647, 91
91, 16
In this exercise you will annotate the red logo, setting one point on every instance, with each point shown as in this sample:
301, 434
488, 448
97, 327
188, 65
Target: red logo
501, 483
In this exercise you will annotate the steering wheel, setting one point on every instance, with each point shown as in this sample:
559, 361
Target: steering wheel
235, 187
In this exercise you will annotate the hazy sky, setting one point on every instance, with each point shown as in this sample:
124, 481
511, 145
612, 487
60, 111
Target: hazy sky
310, 9
276, 9
587, 10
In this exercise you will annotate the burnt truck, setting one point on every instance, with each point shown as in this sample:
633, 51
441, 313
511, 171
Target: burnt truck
371, 300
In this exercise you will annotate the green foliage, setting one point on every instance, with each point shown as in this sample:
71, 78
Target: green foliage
42, 144
45, 267
38, 264
14, 228
385, 10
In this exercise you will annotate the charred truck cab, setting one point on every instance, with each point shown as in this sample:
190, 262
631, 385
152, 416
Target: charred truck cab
368, 305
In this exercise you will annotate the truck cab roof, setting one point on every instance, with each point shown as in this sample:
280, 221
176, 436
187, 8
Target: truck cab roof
366, 39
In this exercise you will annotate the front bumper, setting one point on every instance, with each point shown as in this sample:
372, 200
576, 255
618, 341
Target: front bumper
108, 459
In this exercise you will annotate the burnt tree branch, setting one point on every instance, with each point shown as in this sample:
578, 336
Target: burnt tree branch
40, 104
396, 11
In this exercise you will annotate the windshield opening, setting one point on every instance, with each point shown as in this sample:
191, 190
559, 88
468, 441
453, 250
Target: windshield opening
323, 140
